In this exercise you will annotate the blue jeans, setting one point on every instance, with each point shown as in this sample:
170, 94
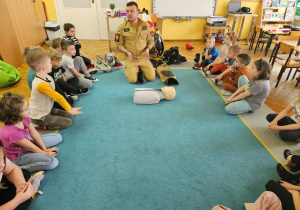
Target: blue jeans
37, 161
241, 106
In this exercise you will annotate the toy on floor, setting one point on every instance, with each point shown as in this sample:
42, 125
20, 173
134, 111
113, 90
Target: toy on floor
189, 46
166, 75
110, 61
153, 96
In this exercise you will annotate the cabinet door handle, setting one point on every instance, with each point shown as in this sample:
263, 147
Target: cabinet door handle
93, 1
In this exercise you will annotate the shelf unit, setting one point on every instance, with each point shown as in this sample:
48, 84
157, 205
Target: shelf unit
277, 14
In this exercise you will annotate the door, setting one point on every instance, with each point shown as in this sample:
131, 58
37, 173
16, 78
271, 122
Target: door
82, 14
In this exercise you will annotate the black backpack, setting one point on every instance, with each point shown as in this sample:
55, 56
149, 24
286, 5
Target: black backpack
172, 56
159, 44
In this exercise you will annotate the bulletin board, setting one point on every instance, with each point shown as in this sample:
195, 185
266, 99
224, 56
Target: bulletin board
186, 8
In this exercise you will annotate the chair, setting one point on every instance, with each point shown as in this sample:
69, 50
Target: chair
261, 38
295, 33
288, 63
252, 40
284, 56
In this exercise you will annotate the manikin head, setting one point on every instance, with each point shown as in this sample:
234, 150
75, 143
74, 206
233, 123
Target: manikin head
168, 92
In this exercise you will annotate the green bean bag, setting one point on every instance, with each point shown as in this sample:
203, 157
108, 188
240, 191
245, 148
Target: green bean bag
8, 74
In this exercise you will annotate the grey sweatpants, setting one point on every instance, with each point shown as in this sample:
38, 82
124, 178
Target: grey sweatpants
80, 65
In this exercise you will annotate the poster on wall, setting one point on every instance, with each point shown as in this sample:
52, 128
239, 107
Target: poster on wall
297, 13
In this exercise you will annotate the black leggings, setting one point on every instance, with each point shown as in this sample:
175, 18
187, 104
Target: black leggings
9, 193
61, 92
66, 87
283, 194
285, 135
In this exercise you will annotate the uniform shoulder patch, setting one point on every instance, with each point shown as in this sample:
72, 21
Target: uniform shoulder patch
144, 28
126, 29
117, 37
118, 30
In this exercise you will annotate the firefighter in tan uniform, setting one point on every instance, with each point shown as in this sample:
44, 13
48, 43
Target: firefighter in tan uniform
134, 38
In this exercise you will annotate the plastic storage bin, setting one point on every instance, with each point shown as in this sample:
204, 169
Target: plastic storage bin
52, 28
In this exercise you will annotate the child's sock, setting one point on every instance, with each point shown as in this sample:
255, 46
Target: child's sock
41, 127
36, 179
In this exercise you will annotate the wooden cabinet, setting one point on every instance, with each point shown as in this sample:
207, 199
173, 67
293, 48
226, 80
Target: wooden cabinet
21, 25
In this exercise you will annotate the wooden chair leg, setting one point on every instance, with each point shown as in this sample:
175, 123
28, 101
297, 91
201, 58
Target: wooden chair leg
258, 42
298, 80
256, 46
295, 73
272, 55
279, 76
252, 40
289, 74
262, 46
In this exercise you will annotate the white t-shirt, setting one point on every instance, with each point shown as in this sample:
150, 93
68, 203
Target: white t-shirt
67, 63
296, 104
224, 51
7, 168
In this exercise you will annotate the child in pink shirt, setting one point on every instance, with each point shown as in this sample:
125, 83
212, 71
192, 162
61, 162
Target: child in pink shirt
22, 143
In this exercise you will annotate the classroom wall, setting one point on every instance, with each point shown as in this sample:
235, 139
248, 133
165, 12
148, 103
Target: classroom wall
194, 28
185, 30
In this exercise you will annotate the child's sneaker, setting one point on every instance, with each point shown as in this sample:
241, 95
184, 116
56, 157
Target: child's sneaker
83, 91
215, 81
204, 72
93, 79
196, 66
226, 93
93, 72
36, 179
74, 97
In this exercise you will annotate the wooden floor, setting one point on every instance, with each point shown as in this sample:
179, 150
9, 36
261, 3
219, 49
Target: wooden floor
277, 100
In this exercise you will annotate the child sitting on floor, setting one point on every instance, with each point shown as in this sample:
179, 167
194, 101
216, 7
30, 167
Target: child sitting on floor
209, 54
73, 66
251, 96
70, 35
288, 127
23, 145
239, 68
57, 74
15, 187
229, 40
31, 73
217, 67
56, 44
43, 95
31, 76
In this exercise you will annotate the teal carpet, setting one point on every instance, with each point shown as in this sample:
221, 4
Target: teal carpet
181, 154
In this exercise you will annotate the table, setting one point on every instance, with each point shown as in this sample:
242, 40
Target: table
211, 28
272, 34
243, 20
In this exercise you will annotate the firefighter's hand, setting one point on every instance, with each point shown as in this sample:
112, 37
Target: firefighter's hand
147, 54
130, 56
